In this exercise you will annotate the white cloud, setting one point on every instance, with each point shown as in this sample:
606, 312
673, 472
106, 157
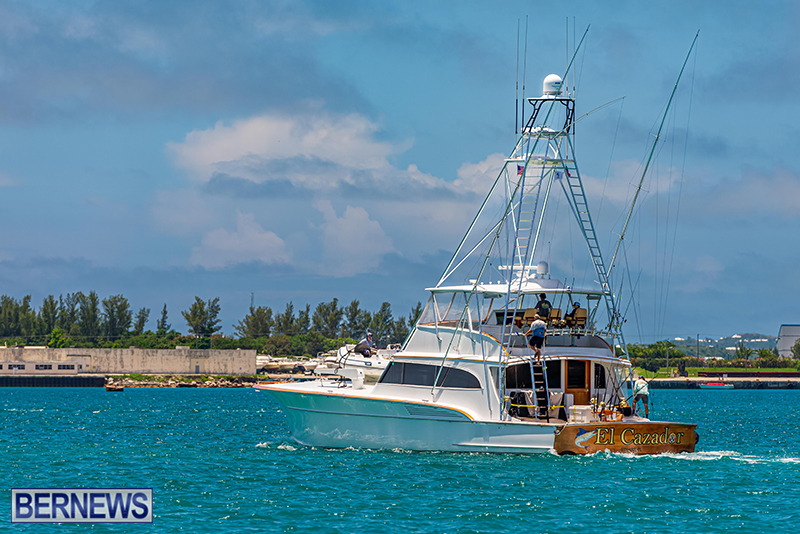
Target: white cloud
238, 149
250, 242
773, 193
351, 244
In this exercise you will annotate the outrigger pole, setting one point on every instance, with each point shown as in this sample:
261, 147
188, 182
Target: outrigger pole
650, 157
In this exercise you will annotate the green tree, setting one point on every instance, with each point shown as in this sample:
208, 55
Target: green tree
399, 331
285, 322
48, 313
303, 321
162, 325
315, 343
279, 345
213, 323
202, 317
117, 316
651, 365
257, 323
142, 316
88, 315
796, 350
68, 311
196, 317
9, 316
743, 352
59, 339
416, 311
352, 320
381, 325
327, 318
29, 324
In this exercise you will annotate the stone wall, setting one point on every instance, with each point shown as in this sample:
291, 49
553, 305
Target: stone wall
126, 361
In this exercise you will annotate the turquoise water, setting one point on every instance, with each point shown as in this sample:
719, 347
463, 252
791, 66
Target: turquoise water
222, 460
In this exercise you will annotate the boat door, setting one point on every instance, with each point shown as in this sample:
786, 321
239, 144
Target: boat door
578, 381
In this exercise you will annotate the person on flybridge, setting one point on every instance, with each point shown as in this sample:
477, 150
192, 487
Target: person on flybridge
543, 307
364, 346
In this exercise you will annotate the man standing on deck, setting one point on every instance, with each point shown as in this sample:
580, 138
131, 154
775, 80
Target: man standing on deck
641, 391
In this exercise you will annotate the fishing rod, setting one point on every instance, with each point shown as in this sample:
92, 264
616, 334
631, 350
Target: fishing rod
650, 156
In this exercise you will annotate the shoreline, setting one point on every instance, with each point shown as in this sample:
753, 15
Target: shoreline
738, 382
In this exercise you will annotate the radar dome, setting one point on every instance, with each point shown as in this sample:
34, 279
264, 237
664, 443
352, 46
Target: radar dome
552, 85
543, 269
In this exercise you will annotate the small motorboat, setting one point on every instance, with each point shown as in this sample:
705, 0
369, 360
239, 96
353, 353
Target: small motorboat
716, 385
115, 387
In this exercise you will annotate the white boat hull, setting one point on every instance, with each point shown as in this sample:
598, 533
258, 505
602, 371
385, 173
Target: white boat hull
340, 421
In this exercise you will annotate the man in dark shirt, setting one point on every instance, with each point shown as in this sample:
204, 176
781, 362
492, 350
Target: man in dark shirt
543, 307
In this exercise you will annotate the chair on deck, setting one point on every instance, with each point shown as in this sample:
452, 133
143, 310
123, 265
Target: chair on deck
555, 316
528, 317
580, 318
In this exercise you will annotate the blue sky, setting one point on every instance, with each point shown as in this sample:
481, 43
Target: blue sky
310, 150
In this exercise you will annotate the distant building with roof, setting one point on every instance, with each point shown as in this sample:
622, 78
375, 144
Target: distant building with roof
787, 337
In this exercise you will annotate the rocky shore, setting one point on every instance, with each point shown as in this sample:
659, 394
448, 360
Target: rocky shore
183, 381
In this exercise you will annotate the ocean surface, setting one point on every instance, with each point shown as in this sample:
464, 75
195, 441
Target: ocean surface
222, 460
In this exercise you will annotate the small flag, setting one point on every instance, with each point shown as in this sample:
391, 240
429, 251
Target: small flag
568, 174
520, 170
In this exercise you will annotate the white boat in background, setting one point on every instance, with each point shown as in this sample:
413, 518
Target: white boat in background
373, 365
466, 378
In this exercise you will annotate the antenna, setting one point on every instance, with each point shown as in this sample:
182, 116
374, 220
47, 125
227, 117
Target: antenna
516, 89
252, 299
524, 68
566, 59
574, 90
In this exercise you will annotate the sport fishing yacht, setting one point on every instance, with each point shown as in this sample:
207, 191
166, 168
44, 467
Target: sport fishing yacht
466, 378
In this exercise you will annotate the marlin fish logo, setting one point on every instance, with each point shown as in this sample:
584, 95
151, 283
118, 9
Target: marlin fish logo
584, 436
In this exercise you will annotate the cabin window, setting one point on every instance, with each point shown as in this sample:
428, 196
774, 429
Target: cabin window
457, 378
554, 375
17, 366
576, 374
417, 374
518, 376
40, 367
66, 366
393, 374
599, 376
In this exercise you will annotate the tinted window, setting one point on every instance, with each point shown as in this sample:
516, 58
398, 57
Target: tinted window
599, 376
554, 375
417, 374
457, 378
393, 374
518, 376
576, 374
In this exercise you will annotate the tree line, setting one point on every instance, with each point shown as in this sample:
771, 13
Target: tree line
652, 357
86, 320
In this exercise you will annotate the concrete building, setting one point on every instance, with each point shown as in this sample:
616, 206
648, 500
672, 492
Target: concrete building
787, 337
47, 361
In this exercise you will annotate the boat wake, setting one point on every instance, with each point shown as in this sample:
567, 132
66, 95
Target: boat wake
276, 446
704, 456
